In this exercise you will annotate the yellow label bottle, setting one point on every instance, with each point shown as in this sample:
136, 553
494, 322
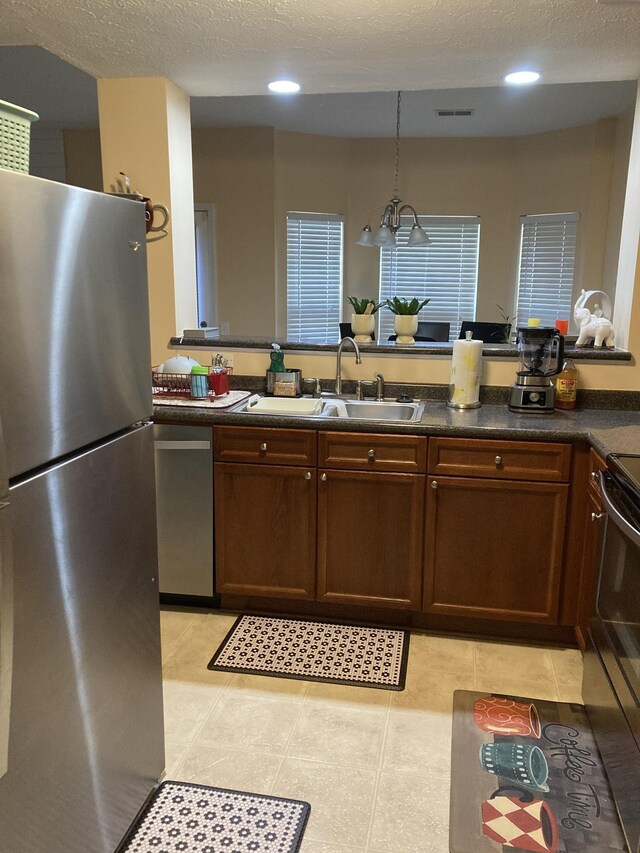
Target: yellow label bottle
566, 386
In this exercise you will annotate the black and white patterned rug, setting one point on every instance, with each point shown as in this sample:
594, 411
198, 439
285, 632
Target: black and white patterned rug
199, 819
315, 651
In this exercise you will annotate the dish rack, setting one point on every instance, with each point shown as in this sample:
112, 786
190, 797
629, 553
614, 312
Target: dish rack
179, 384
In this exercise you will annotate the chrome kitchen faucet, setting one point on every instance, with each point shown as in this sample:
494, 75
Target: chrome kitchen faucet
338, 388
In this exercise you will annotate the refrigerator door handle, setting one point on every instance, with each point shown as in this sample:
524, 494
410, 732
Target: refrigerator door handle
6, 615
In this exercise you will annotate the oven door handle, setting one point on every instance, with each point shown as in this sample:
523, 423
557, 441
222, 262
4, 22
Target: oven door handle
616, 516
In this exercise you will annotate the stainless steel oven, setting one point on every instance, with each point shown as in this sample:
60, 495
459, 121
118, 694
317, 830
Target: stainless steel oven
611, 687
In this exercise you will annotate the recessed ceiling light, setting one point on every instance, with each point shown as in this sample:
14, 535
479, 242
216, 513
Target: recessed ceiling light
521, 78
284, 87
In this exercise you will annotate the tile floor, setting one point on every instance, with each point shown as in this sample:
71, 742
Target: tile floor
374, 764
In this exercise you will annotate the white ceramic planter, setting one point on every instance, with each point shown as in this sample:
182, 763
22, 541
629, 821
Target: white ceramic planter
362, 326
406, 325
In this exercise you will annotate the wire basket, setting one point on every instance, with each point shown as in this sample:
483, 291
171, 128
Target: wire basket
179, 384
15, 136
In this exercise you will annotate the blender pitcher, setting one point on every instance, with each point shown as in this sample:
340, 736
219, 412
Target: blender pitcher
541, 352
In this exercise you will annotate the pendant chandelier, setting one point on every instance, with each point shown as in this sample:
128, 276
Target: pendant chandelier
385, 236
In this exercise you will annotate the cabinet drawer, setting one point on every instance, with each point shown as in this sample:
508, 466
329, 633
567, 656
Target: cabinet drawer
500, 460
596, 464
360, 452
263, 445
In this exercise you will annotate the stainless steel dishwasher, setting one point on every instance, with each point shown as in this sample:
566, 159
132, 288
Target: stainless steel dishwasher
184, 497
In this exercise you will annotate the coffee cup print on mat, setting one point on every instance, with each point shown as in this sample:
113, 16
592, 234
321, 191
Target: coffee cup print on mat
518, 762
500, 715
520, 821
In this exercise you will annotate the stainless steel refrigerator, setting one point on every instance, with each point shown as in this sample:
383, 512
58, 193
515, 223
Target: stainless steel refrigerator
81, 727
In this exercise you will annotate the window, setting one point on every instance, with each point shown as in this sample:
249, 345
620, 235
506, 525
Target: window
314, 276
205, 265
445, 273
547, 259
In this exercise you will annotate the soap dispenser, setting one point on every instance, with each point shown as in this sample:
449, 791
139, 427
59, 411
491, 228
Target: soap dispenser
277, 359
281, 381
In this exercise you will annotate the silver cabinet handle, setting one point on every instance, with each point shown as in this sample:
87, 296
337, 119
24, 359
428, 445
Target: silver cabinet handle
307, 476
263, 446
323, 477
434, 484
596, 516
594, 475
371, 454
498, 460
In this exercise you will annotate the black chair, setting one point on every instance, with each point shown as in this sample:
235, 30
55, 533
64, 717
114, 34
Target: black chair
430, 331
346, 332
490, 333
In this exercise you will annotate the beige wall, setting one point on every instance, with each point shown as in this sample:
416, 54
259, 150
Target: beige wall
234, 170
82, 158
498, 179
252, 165
311, 174
154, 151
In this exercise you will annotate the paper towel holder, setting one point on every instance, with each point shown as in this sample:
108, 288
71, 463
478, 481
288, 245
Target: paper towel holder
453, 405
451, 390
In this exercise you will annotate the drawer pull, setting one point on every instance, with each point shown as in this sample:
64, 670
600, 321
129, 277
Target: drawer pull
263, 446
371, 454
596, 516
307, 476
434, 484
498, 460
323, 477
594, 475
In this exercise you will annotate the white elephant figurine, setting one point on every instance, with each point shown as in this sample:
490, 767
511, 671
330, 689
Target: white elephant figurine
593, 327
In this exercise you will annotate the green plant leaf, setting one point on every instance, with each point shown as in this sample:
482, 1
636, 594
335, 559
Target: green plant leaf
360, 305
400, 305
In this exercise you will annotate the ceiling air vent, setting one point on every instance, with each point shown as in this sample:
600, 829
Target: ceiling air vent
453, 113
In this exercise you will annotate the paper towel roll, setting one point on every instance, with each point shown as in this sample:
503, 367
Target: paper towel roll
466, 372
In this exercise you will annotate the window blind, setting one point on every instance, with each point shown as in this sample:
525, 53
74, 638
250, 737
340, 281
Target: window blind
547, 260
314, 276
446, 272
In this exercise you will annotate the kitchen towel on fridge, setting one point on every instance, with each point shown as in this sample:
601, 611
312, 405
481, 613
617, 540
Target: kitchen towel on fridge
466, 373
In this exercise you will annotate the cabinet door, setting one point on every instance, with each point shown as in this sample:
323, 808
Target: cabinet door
494, 548
370, 538
265, 530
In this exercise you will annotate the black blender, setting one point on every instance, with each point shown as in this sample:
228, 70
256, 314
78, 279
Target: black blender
541, 351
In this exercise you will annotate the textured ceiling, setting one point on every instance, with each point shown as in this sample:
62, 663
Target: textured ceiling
227, 47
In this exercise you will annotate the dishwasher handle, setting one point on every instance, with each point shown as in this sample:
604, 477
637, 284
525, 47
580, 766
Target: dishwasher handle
182, 445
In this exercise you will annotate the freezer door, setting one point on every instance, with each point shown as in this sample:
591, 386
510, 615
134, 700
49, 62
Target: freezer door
74, 319
86, 725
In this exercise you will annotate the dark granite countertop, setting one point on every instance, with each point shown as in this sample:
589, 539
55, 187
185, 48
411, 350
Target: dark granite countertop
608, 430
420, 348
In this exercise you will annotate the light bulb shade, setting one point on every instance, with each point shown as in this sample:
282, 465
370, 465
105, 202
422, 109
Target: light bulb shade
384, 237
418, 237
366, 237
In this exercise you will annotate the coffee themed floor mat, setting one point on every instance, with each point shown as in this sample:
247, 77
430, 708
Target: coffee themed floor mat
526, 774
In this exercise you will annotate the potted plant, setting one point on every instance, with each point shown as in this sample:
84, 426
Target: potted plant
507, 321
362, 319
406, 317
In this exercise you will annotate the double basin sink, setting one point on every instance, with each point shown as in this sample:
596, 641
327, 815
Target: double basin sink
335, 407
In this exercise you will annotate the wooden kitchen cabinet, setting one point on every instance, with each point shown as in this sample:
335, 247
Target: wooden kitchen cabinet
265, 530
370, 519
494, 547
370, 538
